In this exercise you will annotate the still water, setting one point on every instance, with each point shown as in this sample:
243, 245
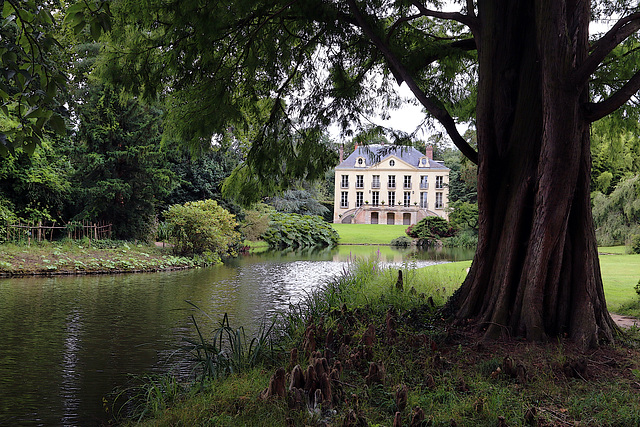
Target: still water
67, 342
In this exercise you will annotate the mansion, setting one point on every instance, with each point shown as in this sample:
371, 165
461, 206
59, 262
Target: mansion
380, 184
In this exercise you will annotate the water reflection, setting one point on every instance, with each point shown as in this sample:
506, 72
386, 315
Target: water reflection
66, 342
70, 384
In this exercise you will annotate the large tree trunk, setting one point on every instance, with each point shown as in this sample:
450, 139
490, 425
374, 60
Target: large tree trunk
536, 272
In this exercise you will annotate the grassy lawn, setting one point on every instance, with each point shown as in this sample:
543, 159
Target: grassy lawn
368, 234
620, 274
617, 250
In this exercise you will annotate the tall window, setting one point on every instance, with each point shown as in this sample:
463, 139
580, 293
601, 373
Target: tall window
344, 199
375, 183
392, 181
439, 182
392, 198
407, 181
359, 181
375, 198
439, 204
407, 199
358, 199
345, 181
423, 200
424, 183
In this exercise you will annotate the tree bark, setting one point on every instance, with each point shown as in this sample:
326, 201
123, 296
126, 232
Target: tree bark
536, 272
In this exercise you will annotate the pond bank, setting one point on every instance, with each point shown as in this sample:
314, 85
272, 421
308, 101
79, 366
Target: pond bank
87, 257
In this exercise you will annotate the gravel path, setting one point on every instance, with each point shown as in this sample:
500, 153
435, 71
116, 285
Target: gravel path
625, 321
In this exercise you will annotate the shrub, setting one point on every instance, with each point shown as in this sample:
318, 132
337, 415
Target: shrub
256, 221
402, 242
429, 230
467, 238
293, 230
200, 226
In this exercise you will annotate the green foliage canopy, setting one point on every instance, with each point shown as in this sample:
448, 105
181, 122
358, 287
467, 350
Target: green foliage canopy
299, 201
31, 77
617, 215
464, 215
122, 172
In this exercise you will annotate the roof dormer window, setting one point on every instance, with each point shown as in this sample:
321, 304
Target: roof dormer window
392, 163
360, 162
424, 162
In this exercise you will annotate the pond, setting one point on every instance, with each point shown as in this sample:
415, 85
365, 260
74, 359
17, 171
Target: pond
67, 342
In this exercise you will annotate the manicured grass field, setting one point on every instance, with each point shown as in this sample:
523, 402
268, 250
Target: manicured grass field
620, 274
368, 234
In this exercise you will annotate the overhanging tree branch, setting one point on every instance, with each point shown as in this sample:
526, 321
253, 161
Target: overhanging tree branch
399, 70
469, 20
596, 111
619, 32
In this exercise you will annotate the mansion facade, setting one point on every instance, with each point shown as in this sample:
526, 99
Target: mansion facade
380, 184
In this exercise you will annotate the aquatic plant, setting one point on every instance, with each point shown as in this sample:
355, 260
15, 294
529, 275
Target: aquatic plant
229, 350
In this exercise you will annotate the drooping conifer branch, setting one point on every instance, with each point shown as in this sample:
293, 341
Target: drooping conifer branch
433, 106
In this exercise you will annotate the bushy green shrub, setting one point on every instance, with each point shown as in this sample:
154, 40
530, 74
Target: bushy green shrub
429, 230
201, 226
401, 242
296, 231
467, 238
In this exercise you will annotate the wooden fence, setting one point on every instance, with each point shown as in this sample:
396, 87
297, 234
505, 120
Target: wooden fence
72, 230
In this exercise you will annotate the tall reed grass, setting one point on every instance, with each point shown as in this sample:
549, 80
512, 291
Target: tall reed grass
229, 350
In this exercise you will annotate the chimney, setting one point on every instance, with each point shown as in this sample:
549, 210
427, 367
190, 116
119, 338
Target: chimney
356, 147
429, 152
341, 153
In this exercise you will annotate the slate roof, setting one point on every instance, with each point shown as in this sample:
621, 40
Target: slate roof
374, 154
